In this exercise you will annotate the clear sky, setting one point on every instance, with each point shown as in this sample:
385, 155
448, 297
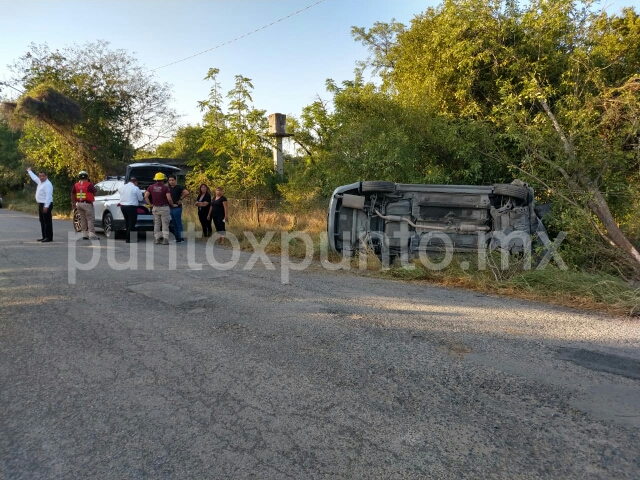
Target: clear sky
288, 62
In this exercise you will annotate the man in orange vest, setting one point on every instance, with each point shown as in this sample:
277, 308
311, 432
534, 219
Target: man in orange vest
82, 196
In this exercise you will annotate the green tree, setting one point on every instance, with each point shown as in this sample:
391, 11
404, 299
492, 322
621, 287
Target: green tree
122, 107
188, 144
238, 150
207, 144
12, 174
557, 81
250, 160
369, 134
381, 41
309, 170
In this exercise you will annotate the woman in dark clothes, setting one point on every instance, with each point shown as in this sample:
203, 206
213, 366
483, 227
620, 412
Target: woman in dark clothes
219, 213
204, 205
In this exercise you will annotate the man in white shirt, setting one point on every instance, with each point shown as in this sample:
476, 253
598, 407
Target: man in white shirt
44, 197
130, 198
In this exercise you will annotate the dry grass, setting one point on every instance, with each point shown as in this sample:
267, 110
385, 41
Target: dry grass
244, 222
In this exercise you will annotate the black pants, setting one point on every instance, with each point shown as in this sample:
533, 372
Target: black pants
46, 221
130, 214
218, 223
206, 224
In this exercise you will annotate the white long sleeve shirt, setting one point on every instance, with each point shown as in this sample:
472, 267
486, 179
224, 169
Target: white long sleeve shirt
130, 195
44, 192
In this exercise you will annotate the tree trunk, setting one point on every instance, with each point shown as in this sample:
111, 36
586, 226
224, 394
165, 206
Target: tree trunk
597, 202
598, 205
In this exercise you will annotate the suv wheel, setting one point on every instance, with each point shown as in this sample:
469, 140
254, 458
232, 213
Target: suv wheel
77, 223
107, 225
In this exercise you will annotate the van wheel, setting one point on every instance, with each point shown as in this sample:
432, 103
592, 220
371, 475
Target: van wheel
508, 190
377, 186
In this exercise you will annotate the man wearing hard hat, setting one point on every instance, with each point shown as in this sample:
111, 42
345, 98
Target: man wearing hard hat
82, 196
159, 195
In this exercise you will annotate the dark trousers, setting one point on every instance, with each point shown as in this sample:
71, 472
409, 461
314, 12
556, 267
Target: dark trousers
218, 223
46, 221
206, 224
130, 214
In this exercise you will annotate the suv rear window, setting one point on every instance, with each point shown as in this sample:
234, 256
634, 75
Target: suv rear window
103, 188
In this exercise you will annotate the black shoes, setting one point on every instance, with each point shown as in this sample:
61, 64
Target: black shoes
46, 240
40, 239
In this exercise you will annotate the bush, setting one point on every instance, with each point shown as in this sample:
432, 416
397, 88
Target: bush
299, 198
583, 248
61, 193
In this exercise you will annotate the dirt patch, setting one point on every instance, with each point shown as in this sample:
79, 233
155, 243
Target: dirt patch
455, 349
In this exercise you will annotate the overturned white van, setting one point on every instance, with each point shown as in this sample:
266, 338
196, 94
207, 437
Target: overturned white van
394, 219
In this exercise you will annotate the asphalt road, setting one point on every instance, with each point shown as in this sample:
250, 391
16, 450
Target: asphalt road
182, 373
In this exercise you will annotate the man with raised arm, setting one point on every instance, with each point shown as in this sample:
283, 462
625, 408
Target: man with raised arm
44, 197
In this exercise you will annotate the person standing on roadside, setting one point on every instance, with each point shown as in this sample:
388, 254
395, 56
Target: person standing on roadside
130, 199
159, 195
82, 197
178, 193
44, 197
219, 213
204, 205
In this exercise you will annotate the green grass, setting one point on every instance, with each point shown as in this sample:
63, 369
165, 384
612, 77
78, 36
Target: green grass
589, 291
581, 287
25, 202
22, 202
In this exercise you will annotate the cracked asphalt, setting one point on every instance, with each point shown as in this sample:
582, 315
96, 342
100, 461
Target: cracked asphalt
171, 372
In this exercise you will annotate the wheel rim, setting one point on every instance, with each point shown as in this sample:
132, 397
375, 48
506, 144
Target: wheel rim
77, 225
108, 228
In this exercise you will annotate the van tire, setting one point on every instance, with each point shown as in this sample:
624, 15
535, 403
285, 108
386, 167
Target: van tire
514, 191
377, 187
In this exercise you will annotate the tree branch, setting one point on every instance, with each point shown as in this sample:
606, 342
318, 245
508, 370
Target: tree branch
556, 125
580, 208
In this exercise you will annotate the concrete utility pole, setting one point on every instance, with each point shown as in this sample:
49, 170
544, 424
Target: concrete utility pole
278, 130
